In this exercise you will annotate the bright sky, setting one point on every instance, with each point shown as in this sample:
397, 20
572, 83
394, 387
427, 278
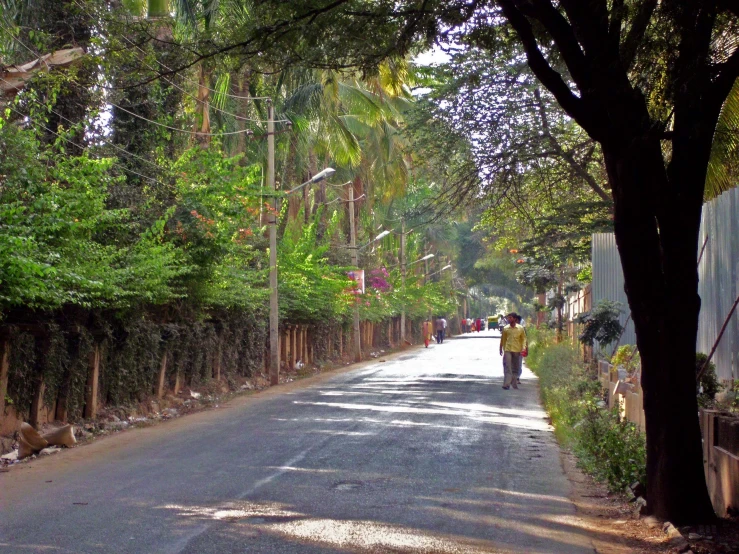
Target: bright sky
431, 57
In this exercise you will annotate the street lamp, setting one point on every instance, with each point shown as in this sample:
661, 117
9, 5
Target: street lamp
442, 269
426, 257
378, 237
381, 235
320, 176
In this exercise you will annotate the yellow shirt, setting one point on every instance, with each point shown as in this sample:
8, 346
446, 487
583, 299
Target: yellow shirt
513, 339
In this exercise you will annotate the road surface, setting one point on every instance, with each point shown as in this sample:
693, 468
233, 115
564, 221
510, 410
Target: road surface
421, 453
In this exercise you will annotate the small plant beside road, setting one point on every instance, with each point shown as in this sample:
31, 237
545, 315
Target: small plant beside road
610, 450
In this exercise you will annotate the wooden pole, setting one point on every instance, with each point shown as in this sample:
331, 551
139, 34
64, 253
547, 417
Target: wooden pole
162, 376
93, 378
718, 339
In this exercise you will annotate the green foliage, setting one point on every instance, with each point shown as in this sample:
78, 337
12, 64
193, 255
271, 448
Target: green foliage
627, 356
732, 401
557, 302
611, 450
538, 277
54, 229
215, 223
585, 275
709, 384
601, 323
310, 289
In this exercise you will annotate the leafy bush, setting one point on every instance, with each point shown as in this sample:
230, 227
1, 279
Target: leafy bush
627, 356
613, 451
601, 323
708, 385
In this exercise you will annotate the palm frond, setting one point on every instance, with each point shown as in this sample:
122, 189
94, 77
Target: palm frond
724, 160
223, 84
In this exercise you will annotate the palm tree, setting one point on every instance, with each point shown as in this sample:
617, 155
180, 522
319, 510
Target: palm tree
350, 121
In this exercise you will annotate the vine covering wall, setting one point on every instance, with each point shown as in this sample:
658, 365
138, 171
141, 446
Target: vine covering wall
132, 349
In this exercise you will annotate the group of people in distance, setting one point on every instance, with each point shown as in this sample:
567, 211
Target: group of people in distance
469, 325
514, 348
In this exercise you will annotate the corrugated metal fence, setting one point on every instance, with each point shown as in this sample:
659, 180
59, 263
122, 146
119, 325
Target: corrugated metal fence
718, 272
608, 280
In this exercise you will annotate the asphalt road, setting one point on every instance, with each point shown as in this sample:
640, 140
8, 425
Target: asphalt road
424, 452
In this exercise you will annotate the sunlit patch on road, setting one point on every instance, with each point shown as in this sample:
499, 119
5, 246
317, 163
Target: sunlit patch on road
357, 535
518, 422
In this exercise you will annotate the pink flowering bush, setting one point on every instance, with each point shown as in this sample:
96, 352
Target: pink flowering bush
377, 279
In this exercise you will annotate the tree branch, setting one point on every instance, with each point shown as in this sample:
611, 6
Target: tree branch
589, 23
614, 27
639, 26
565, 39
549, 77
567, 156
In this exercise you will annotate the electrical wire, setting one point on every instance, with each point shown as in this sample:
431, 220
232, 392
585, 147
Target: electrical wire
225, 112
111, 144
169, 127
189, 80
156, 181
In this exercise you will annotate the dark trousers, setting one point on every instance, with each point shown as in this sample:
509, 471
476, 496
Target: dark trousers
440, 336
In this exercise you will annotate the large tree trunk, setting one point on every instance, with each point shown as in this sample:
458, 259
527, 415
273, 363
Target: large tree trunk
657, 238
657, 194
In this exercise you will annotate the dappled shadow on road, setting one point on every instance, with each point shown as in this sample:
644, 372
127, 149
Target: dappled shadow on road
368, 505
517, 529
435, 399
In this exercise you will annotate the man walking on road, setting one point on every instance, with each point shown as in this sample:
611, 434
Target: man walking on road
512, 343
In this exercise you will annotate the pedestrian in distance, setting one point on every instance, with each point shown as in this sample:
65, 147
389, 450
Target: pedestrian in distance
427, 332
513, 348
439, 326
443, 328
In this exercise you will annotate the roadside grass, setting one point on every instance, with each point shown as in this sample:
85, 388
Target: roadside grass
612, 451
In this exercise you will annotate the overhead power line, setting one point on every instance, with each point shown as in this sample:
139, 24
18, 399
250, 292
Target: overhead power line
189, 80
69, 141
134, 114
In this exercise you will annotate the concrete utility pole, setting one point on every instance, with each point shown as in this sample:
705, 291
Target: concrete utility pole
274, 349
426, 267
402, 281
355, 263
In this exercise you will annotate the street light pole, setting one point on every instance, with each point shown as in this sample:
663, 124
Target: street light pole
274, 349
402, 282
355, 263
